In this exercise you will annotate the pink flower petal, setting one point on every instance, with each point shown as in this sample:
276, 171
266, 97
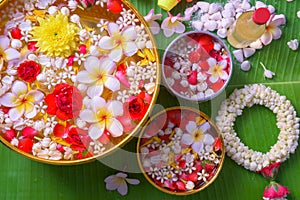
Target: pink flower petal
35, 96
116, 54
96, 130
129, 48
19, 88
187, 139
114, 127
276, 33
113, 29
129, 33
92, 64
16, 113
179, 27
168, 32
11, 54
107, 43
98, 103
123, 78
191, 126
149, 16
115, 107
95, 89
112, 83
278, 20
123, 188
9, 100
197, 146
4, 42
113, 183
266, 38
121, 175
154, 27
132, 181
86, 77
88, 116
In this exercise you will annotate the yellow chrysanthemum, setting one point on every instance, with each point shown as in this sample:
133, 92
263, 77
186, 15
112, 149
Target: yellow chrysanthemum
56, 36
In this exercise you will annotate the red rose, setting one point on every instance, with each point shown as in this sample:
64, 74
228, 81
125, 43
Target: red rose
65, 102
138, 106
28, 71
271, 170
75, 140
275, 190
25, 145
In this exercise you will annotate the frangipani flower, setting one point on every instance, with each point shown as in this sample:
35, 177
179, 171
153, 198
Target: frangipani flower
272, 29
97, 74
118, 182
150, 19
197, 136
119, 42
6, 53
217, 70
103, 116
172, 25
21, 101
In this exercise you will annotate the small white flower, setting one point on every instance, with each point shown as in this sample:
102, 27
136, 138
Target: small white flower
190, 185
119, 182
75, 19
267, 73
102, 25
202, 175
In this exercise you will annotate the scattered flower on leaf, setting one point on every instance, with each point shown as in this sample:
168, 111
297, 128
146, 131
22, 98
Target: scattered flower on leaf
172, 24
293, 44
150, 19
275, 191
119, 182
119, 43
272, 29
21, 101
267, 73
97, 74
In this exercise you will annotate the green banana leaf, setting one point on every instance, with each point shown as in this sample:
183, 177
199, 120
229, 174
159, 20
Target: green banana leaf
21, 178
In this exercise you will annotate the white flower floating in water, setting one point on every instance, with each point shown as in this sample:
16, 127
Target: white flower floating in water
197, 136
272, 29
97, 74
172, 24
103, 116
217, 70
6, 53
21, 101
150, 19
119, 182
119, 42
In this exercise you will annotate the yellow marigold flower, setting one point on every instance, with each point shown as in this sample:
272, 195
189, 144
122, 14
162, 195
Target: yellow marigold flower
56, 36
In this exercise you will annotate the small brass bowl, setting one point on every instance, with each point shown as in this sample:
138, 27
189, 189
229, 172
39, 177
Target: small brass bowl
90, 17
187, 69
180, 170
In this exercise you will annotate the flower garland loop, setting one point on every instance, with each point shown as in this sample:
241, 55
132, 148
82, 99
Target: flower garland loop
287, 122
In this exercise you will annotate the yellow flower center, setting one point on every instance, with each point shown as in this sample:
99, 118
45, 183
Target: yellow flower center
56, 36
197, 135
104, 115
217, 69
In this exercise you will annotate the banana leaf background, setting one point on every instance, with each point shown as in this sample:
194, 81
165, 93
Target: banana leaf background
21, 178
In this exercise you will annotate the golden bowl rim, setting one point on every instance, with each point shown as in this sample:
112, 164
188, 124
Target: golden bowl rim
129, 136
190, 192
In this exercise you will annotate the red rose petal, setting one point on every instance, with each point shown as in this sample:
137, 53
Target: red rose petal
204, 66
9, 135
114, 6
32, 46
193, 177
29, 132
180, 186
105, 138
60, 131
194, 57
192, 78
25, 145
218, 144
217, 85
50, 101
82, 49
16, 33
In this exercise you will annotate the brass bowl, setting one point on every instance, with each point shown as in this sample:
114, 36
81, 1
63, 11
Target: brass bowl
151, 135
91, 15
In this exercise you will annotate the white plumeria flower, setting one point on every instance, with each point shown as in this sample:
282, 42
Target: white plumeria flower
21, 101
172, 24
217, 70
7, 54
119, 182
197, 136
150, 19
102, 116
97, 74
119, 42
272, 29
